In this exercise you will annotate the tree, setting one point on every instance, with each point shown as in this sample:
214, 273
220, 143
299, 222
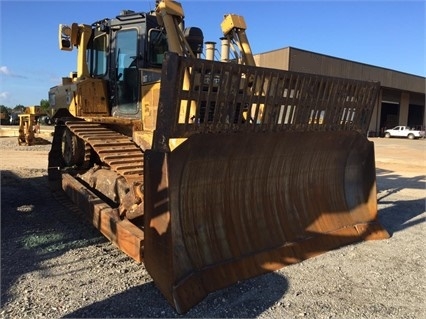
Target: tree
3, 108
44, 105
19, 108
4, 115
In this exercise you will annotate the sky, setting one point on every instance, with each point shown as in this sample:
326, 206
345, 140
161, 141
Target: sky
389, 34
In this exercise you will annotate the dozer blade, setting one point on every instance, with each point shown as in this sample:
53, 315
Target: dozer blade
249, 194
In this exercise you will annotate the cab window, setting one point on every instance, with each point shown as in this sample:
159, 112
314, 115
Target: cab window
157, 46
97, 56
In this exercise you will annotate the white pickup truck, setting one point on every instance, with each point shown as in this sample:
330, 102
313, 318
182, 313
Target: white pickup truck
405, 131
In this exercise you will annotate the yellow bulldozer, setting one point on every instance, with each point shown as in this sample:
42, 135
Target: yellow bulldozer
209, 172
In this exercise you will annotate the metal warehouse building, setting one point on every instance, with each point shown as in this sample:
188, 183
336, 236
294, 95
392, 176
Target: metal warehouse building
402, 95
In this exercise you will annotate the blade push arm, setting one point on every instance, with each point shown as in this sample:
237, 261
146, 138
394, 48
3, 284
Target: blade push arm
234, 29
170, 15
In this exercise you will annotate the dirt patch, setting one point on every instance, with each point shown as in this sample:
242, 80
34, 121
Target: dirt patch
55, 264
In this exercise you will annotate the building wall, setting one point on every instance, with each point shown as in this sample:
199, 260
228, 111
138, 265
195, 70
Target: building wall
278, 59
305, 61
402, 95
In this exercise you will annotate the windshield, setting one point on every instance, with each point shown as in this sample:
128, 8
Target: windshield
128, 84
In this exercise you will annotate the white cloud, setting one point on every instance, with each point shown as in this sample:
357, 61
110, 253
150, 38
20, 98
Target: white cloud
4, 70
4, 96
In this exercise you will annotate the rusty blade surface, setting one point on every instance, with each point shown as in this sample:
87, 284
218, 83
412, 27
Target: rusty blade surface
228, 207
275, 168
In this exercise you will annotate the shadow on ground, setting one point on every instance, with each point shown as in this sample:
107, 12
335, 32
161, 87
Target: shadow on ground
247, 299
35, 227
399, 215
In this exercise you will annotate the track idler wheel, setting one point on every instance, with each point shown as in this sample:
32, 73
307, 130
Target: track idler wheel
73, 149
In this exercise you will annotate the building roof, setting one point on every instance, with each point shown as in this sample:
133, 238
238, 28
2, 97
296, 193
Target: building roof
294, 59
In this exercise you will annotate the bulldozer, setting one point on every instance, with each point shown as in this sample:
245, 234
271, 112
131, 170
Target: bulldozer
209, 172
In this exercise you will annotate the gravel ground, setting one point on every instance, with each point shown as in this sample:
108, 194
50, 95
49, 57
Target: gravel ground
56, 265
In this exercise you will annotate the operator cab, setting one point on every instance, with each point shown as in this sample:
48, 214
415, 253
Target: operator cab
120, 51
128, 52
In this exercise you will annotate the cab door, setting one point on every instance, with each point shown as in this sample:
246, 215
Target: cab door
127, 73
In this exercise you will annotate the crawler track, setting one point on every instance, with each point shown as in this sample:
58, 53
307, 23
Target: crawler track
114, 149
124, 158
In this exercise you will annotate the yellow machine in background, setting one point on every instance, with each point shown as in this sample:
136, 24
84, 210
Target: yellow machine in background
208, 172
28, 125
